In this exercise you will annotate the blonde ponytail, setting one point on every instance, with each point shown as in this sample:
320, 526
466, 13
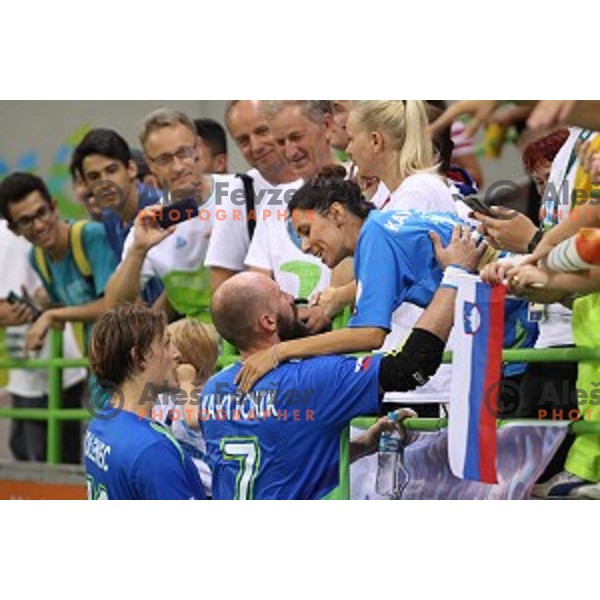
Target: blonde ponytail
404, 124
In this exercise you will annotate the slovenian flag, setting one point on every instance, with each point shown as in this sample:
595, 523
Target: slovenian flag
476, 378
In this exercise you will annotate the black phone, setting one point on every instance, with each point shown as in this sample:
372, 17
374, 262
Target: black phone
478, 205
16, 299
178, 212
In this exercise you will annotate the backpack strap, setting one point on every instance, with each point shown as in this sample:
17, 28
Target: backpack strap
39, 259
77, 249
250, 198
76, 240
85, 269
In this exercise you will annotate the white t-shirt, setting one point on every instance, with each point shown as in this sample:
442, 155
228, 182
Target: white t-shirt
425, 193
555, 328
185, 250
273, 249
14, 274
230, 240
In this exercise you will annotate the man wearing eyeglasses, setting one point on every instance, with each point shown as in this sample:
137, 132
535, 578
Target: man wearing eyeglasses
27, 205
174, 254
29, 389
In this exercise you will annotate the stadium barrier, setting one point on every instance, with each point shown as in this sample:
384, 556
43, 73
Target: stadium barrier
55, 414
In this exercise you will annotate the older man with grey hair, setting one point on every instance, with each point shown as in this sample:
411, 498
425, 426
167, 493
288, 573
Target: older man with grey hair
302, 131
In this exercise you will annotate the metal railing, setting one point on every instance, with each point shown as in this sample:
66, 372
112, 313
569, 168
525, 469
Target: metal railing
55, 414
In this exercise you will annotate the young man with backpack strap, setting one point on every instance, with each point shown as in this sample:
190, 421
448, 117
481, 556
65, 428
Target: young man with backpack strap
74, 261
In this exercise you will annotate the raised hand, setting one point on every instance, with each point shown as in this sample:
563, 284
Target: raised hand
146, 231
463, 250
478, 110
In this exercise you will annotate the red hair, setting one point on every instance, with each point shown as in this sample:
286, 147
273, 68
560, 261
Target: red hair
544, 149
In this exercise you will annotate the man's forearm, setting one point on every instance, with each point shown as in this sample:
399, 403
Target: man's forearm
86, 313
569, 227
584, 282
162, 304
438, 318
124, 285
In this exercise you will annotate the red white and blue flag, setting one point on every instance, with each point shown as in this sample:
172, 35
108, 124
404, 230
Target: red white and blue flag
476, 377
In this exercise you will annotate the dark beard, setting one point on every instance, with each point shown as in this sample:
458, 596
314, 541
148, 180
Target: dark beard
292, 329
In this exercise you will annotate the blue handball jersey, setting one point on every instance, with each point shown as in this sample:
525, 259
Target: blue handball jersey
394, 262
128, 457
283, 440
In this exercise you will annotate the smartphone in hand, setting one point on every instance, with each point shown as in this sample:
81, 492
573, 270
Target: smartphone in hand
16, 299
476, 204
178, 212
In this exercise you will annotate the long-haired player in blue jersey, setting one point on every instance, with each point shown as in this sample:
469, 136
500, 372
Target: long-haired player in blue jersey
128, 456
394, 261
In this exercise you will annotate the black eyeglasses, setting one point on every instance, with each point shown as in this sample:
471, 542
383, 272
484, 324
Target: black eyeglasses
184, 153
43, 213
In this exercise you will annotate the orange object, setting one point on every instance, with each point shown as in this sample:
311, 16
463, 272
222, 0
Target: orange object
587, 243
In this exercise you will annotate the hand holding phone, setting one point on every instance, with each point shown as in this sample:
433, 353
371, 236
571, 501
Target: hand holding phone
24, 301
476, 204
178, 212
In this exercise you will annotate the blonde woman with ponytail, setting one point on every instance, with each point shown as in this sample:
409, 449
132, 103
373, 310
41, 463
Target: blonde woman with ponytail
389, 140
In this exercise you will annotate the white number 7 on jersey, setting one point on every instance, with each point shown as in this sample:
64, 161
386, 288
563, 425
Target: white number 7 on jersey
247, 452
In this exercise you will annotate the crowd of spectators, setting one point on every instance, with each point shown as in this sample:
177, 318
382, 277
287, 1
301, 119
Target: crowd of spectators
169, 226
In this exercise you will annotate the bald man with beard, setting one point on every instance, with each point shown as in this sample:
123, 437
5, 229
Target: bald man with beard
283, 439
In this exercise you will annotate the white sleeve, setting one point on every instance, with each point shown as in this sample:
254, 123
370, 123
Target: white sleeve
258, 255
229, 240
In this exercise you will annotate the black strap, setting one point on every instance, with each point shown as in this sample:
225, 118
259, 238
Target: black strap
535, 240
249, 193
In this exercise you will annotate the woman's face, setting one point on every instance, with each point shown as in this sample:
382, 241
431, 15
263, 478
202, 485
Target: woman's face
540, 175
320, 236
360, 148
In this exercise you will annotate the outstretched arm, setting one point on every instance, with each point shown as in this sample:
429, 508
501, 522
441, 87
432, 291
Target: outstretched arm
462, 251
124, 285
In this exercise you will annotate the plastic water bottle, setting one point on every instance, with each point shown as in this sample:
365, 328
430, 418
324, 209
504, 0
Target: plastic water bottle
388, 461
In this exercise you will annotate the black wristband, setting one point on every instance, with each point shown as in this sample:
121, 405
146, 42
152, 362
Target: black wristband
535, 240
